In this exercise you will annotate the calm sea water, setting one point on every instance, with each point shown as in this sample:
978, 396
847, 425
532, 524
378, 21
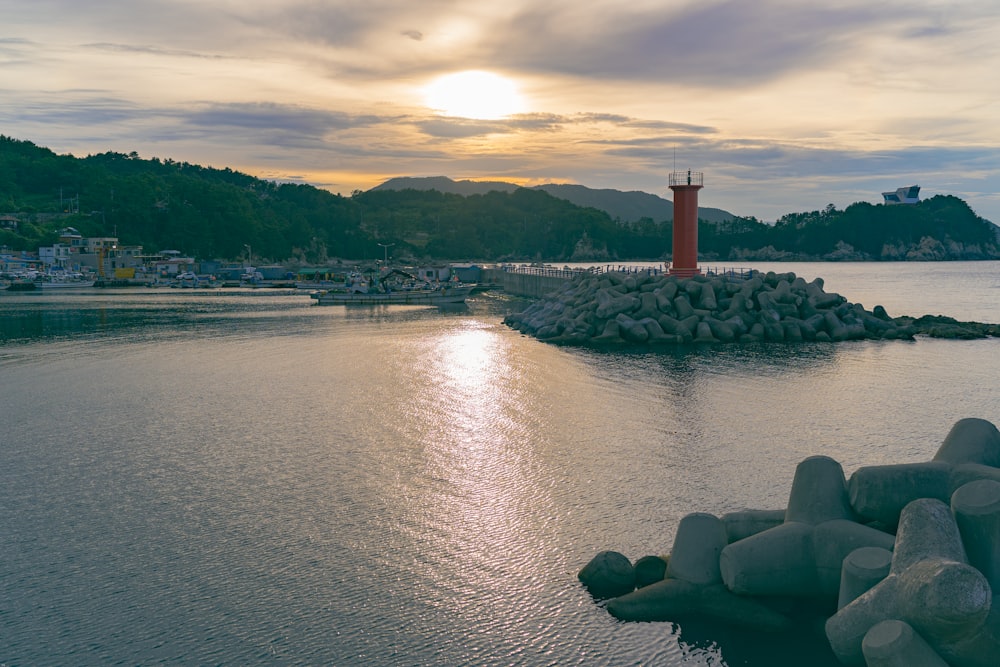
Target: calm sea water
243, 478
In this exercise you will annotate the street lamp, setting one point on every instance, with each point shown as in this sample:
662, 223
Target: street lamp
385, 247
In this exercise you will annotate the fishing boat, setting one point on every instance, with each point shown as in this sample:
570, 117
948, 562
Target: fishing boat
21, 285
62, 280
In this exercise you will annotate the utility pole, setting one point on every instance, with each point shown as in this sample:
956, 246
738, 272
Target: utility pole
385, 247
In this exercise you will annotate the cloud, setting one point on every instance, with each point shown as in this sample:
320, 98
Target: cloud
270, 116
16, 53
785, 105
713, 43
461, 128
87, 108
141, 49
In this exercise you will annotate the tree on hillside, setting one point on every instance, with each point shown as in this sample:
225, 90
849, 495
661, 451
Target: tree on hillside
216, 213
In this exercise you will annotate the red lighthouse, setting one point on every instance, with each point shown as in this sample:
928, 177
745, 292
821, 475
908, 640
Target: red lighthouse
685, 186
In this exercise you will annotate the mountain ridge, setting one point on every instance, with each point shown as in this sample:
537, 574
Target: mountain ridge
626, 206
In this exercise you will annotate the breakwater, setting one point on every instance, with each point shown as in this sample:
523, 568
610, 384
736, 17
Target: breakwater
653, 308
531, 282
902, 561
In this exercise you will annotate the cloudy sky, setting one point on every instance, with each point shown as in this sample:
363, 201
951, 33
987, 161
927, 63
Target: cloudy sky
785, 105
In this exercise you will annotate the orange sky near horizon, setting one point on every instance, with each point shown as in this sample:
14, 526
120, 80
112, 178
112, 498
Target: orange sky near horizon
784, 106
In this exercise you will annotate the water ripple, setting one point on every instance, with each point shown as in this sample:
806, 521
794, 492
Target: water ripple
269, 484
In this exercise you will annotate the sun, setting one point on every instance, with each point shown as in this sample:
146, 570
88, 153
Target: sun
474, 94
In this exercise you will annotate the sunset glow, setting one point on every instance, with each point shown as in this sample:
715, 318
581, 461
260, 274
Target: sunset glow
474, 94
823, 103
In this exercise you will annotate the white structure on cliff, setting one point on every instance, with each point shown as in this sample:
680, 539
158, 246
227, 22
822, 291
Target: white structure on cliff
907, 195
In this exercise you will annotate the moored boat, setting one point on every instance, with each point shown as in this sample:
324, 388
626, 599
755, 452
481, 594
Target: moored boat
191, 280
48, 281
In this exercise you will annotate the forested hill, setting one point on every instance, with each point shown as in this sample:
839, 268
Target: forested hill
219, 213
627, 207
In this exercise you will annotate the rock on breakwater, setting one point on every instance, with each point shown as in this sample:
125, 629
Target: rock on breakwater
643, 308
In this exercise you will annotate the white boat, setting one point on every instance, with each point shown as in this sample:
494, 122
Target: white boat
48, 281
189, 279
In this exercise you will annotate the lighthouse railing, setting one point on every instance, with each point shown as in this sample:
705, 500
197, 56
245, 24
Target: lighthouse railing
687, 178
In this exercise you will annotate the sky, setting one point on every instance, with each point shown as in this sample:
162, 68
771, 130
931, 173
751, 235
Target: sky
784, 105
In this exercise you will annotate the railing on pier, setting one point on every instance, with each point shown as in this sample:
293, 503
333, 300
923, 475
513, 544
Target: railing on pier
565, 273
568, 272
740, 273
536, 281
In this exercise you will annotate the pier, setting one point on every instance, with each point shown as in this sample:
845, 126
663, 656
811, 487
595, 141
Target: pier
530, 281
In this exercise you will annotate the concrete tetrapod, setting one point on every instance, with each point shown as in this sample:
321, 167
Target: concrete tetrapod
896, 644
971, 440
976, 507
649, 570
930, 587
693, 586
925, 598
700, 539
640, 308
862, 569
608, 574
970, 450
803, 556
678, 600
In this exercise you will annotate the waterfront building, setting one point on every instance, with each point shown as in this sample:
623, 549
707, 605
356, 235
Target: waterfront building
17, 262
56, 255
433, 274
172, 264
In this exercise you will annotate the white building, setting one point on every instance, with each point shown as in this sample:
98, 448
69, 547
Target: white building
908, 195
57, 255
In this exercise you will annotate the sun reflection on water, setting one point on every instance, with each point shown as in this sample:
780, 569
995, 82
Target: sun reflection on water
479, 493
467, 358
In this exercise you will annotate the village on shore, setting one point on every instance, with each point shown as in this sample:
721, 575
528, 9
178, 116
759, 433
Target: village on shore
78, 261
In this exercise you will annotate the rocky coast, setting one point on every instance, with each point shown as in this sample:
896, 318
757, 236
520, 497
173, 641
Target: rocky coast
616, 308
897, 565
